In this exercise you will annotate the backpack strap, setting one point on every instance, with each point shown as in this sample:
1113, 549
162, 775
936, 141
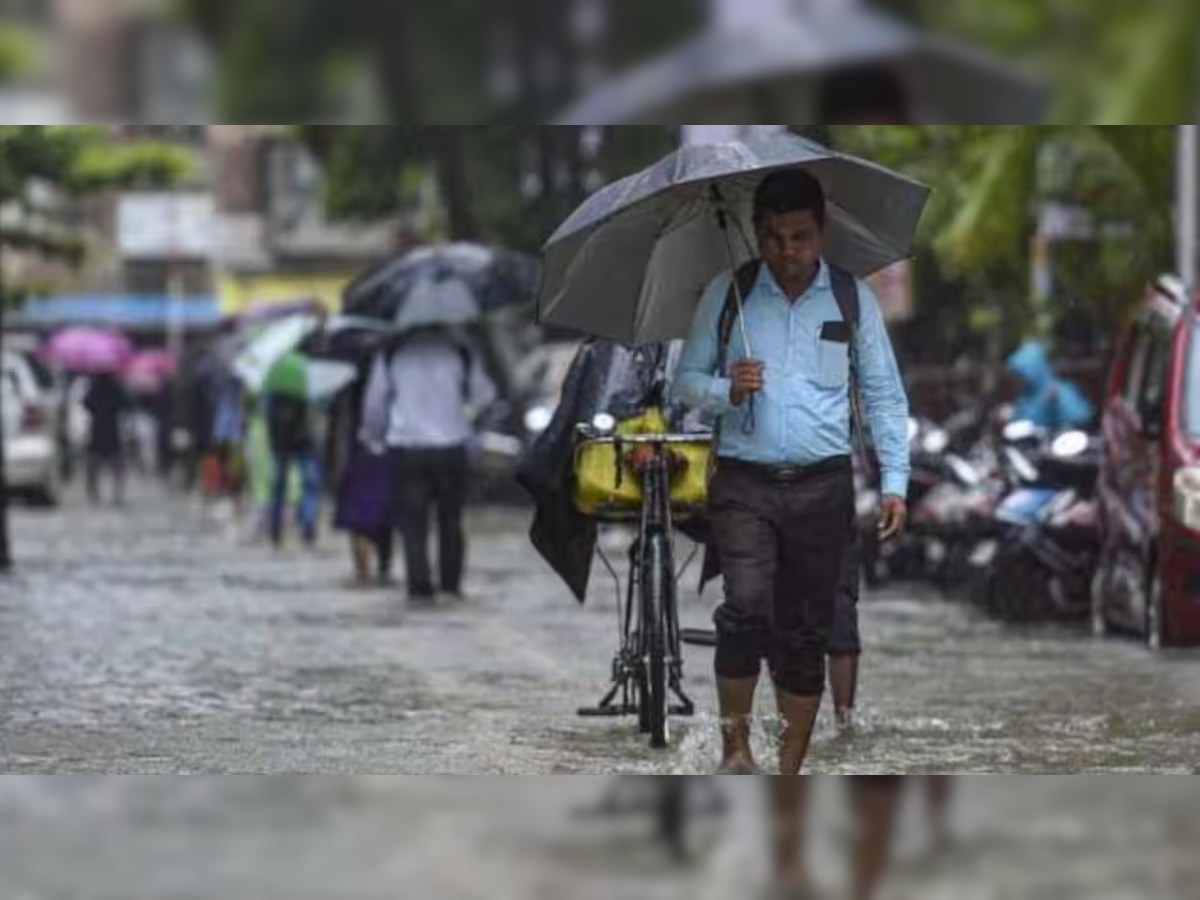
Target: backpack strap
845, 291
744, 280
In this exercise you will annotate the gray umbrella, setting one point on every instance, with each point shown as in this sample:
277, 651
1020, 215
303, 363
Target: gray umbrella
631, 263
445, 284
772, 75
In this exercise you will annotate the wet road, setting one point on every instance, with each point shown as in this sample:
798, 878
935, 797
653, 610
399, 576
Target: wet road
154, 641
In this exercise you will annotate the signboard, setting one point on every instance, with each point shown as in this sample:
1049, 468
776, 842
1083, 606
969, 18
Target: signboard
161, 226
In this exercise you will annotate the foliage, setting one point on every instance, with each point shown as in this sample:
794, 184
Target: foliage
148, 165
1110, 61
991, 185
17, 52
73, 160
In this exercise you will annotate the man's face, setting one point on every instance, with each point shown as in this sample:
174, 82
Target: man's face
791, 244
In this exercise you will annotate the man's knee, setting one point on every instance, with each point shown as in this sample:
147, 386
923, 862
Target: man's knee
801, 674
742, 642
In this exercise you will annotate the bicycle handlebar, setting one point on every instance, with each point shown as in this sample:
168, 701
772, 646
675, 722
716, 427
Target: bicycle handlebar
644, 439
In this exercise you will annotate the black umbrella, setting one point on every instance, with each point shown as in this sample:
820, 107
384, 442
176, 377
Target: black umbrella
448, 284
352, 339
777, 74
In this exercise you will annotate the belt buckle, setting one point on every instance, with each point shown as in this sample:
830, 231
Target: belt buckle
786, 474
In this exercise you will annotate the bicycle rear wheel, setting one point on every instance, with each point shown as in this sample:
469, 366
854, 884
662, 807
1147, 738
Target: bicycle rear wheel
658, 588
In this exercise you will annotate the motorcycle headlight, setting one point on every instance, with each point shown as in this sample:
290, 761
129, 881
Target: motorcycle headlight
1187, 498
1070, 445
1020, 431
538, 419
936, 442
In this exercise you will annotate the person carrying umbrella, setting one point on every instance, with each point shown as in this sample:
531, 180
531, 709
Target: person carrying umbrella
416, 408
286, 394
782, 499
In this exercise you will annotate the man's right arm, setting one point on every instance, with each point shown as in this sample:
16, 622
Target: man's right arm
697, 384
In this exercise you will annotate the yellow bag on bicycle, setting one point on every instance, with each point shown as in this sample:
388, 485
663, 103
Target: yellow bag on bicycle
608, 487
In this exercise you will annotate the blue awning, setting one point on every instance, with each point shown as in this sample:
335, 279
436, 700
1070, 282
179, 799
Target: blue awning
142, 312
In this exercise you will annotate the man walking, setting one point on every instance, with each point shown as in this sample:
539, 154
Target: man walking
782, 498
417, 406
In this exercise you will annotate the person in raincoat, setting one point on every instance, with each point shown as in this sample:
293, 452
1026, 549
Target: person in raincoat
1045, 399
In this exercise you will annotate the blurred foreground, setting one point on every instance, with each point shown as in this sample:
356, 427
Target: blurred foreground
440, 838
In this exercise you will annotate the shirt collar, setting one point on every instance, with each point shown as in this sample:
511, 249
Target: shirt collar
767, 282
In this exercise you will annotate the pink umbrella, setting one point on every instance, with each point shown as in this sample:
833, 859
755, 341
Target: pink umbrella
88, 350
149, 369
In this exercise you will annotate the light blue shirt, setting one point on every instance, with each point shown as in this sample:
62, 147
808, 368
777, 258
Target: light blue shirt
802, 416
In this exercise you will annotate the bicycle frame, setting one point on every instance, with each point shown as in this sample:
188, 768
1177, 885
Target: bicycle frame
656, 522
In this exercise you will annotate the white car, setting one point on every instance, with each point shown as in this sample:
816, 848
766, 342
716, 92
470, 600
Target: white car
32, 464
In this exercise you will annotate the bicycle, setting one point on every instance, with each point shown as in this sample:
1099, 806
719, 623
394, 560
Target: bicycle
648, 667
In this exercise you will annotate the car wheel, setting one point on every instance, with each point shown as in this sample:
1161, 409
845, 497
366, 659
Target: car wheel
1156, 620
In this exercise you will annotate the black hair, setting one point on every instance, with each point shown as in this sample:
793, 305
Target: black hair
789, 191
861, 92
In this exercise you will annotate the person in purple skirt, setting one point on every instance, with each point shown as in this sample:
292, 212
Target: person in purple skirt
366, 493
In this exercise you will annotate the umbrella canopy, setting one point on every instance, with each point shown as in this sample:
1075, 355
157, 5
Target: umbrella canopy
774, 75
254, 360
88, 350
351, 339
149, 370
448, 284
631, 264
295, 375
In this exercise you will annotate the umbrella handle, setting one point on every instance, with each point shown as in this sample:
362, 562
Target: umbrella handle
723, 223
750, 422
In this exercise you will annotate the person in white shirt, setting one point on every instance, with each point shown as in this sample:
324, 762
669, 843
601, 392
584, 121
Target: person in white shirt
418, 403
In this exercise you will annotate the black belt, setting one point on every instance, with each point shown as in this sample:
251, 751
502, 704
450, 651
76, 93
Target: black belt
787, 474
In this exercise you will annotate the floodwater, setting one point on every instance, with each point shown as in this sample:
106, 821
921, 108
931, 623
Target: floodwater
156, 641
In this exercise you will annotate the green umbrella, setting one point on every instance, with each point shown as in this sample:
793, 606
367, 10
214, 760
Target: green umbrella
295, 375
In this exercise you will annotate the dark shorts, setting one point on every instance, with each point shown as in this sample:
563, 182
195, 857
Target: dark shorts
782, 545
846, 640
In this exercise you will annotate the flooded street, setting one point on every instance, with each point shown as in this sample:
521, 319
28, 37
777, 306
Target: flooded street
154, 642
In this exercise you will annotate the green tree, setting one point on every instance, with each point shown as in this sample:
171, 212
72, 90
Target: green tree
75, 161
991, 185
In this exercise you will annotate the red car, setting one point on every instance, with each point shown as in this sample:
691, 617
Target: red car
1148, 577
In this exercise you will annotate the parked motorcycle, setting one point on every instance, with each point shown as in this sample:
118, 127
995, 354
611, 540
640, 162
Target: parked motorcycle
950, 490
1036, 559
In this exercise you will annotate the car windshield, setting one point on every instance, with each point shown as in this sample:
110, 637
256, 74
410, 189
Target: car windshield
1191, 400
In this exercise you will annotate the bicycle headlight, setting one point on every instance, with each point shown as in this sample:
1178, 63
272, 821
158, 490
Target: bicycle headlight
1187, 498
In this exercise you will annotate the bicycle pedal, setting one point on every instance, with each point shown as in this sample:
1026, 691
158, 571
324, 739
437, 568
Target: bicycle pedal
606, 712
698, 637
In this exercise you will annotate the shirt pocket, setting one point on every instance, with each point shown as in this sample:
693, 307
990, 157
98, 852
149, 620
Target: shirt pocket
833, 355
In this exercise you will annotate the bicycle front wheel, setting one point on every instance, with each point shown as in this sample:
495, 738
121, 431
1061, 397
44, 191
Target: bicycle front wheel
658, 591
